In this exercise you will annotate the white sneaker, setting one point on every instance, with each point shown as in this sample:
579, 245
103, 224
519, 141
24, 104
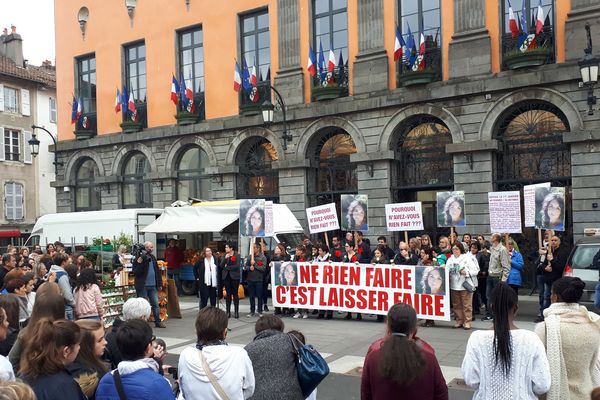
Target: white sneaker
297, 315
305, 316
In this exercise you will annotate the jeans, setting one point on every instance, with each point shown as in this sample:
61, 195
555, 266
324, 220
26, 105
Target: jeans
151, 293
255, 289
540, 286
491, 284
69, 313
207, 293
597, 296
231, 287
174, 274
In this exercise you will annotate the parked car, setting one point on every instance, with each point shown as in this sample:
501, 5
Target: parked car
584, 263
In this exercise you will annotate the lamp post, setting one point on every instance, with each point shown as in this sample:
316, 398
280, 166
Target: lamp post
588, 67
267, 115
34, 144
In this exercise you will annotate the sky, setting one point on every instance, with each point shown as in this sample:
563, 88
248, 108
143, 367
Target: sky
34, 20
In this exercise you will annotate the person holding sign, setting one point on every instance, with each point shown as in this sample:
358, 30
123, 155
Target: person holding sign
401, 364
463, 282
256, 266
499, 268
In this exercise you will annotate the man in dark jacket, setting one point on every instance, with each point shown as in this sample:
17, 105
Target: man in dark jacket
274, 362
230, 274
363, 249
256, 274
148, 280
8, 263
337, 251
553, 267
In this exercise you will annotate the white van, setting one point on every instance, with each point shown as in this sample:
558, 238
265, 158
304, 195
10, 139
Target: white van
222, 218
79, 228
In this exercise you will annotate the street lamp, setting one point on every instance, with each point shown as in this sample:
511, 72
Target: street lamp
267, 115
588, 67
34, 145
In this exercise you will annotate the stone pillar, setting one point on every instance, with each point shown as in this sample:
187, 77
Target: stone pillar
289, 79
292, 187
370, 72
470, 48
582, 11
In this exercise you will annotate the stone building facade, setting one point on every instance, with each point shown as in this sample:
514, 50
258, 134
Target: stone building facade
479, 129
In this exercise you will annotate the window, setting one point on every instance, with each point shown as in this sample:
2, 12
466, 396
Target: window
420, 16
331, 27
137, 190
87, 198
256, 52
86, 83
191, 58
11, 100
192, 180
12, 144
52, 103
135, 70
13, 201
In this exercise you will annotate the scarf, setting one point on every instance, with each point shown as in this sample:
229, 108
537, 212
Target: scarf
210, 272
558, 372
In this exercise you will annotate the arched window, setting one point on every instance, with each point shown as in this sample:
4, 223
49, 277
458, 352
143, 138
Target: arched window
333, 174
137, 188
192, 180
87, 198
532, 150
422, 166
256, 178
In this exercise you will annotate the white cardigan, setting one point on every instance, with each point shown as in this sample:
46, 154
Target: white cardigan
529, 375
454, 265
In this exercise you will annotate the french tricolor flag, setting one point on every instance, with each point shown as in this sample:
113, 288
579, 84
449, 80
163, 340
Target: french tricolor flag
422, 44
512, 21
131, 103
312, 70
331, 62
174, 90
79, 109
237, 78
398, 45
253, 79
118, 101
539, 20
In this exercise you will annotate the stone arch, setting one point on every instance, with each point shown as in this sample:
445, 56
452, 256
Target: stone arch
77, 157
328, 122
247, 133
124, 153
183, 144
551, 96
387, 136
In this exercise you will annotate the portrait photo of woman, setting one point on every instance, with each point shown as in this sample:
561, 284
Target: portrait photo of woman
252, 218
451, 209
354, 212
550, 208
432, 281
286, 274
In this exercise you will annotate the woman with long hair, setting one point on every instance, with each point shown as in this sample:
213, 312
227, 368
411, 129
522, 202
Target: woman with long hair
463, 281
255, 221
571, 335
206, 272
506, 362
11, 304
356, 217
88, 297
454, 214
399, 364
46, 354
88, 368
6, 369
552, 212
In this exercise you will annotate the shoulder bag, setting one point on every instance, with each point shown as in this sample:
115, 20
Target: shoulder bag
312, 367
468, 282
119, 385
213, 379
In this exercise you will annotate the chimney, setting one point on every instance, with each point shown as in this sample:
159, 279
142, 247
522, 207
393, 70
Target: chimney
13, 46
2, 45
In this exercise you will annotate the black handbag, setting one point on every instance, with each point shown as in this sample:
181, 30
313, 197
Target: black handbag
312, 367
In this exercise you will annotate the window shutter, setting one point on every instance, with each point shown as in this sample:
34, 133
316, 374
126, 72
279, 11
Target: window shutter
8, 200
2, 142
1, 97
18, 201
25, 102
27, 159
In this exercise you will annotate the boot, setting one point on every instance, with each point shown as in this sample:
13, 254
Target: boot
228, 305
237, 310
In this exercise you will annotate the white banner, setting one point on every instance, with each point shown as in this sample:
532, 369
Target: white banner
322, 218
505, 212
404, 217
362, 288
529, 201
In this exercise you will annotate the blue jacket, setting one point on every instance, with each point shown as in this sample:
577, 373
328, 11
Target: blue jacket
142, 384
516, 266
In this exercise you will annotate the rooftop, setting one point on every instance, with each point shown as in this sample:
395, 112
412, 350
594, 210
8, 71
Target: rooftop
45, 75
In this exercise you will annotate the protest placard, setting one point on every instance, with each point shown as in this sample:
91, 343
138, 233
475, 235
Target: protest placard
354, 212
550, 208
529, 202
404, 217
451, 209
252, 218
362, 288
505, 212
269, 225
322, 218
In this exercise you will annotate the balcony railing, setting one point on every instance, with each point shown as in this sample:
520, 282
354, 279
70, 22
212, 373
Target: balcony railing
86, 126
515, 54
251, 100
199, 106
331, 85
408, 75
